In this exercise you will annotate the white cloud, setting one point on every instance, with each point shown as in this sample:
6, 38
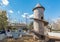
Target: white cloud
10, 11
55, 20
26, 15
18, 12
23, 16
31, 16
5, 2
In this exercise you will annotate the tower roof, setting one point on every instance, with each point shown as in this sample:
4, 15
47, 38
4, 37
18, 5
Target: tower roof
38, 6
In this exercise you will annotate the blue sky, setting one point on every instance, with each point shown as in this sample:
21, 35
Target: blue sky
17, 8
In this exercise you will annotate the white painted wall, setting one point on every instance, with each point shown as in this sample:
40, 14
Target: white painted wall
38, 13
39, 25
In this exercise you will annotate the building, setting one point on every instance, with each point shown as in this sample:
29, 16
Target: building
40, 24
17, 25
39, 21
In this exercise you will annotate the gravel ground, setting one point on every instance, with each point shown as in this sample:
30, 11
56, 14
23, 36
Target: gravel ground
23, 39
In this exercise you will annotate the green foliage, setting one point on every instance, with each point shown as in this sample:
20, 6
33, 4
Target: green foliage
30, 26
3, 20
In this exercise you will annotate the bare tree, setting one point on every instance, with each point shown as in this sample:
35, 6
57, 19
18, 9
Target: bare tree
56, 24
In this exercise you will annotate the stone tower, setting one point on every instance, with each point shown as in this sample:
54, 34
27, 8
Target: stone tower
39, 22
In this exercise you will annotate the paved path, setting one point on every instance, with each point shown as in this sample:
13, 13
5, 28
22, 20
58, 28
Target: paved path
2, 36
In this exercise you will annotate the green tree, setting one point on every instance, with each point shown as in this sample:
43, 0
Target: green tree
3, 20
30, 26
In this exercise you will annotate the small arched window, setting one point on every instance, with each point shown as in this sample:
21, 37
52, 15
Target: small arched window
42, 18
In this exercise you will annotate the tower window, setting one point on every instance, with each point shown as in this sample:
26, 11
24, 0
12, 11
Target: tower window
42, 37
42, 18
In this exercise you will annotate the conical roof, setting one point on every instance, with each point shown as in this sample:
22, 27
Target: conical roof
38, 6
